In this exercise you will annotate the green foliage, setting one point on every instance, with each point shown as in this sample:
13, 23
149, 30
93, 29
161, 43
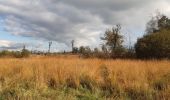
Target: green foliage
25, 53
75, 50
5, 53
157, 23
82, 49
155, 45
113, 43
16, 54
85, 52
119, 52
113, 38
164, 22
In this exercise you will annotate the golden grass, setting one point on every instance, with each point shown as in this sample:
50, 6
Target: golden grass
40, 73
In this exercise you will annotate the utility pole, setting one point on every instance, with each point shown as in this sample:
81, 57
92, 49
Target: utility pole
24, 47
50, 43
72, 44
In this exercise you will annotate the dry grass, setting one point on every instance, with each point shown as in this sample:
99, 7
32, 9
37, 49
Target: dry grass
69, 77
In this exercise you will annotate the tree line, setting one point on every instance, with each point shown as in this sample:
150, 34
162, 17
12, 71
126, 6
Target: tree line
17, 54
155, 43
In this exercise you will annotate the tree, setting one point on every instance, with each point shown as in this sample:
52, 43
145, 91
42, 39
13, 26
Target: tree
113, 39
157, 23
164, 23
25, 52
155, 45
104, 49
96, 50
152, 24
81, 49
85, 52
105, 53
75, 50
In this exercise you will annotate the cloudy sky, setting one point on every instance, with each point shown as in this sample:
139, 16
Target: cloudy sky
35, 22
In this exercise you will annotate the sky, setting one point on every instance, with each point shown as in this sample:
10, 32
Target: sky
36, 22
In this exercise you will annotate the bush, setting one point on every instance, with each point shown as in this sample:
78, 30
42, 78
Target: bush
25, 53
85, 52
119, 52
16, 54
5, 53
155, 45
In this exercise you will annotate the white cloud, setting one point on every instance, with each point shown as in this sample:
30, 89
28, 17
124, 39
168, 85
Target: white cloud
5, 43
12, 45
82, 20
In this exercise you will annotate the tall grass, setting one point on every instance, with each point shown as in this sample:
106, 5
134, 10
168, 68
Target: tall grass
73, 78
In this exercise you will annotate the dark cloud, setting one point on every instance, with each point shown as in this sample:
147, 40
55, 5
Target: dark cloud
82, 20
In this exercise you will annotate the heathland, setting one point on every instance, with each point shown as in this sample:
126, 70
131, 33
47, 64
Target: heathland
68, 77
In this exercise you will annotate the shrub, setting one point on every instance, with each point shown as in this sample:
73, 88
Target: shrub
25, 53
16, 54
5, 53
85, 52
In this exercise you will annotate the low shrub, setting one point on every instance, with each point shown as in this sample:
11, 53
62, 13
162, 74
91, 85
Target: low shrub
16, 54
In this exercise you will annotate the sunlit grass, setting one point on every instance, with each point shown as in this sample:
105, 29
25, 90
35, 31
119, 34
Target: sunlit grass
64, 77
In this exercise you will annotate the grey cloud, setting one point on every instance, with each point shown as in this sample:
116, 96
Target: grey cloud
64, 20
46, 24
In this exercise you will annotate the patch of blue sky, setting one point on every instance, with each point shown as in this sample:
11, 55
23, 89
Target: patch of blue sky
8, 36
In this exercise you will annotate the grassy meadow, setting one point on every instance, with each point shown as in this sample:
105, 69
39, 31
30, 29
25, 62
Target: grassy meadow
74, 78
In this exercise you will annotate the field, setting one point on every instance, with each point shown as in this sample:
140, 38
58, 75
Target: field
72, 78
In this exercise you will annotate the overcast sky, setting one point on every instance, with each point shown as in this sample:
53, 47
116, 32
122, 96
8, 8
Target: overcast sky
35, 22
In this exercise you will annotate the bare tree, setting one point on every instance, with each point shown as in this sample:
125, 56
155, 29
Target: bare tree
72, 45
24, 47
49, 49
